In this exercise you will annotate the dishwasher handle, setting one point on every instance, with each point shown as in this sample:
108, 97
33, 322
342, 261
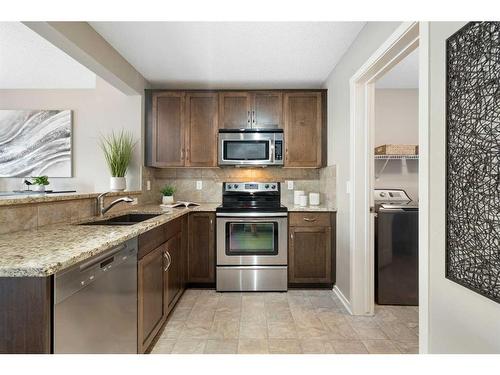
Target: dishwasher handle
85, 266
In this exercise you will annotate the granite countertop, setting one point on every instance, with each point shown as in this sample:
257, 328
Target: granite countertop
320, 208
13, 199
47, 250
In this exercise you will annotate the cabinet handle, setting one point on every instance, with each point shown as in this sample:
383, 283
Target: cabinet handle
166, 254
310, 220
211, 221
291, 236
253, 117
248, 117
182, 154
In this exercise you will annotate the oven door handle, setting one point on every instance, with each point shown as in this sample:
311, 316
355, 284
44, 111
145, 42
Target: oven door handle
252, 214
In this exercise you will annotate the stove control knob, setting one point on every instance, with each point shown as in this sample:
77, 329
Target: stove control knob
266, 186
273, 187
382, 194
235, 186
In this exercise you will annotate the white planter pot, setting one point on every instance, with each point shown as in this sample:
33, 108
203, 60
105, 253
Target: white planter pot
167, 199
117, 183
39, 188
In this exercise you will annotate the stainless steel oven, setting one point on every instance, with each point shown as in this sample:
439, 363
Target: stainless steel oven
252, 247
257, 239
251, 147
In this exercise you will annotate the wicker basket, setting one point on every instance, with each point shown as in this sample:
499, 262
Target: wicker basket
396, 150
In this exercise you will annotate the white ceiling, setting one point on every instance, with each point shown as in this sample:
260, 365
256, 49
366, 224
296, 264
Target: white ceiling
231, 54
404, 75
28, 61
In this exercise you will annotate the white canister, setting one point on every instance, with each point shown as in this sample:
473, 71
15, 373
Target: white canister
314, 199
303, 200
296, 196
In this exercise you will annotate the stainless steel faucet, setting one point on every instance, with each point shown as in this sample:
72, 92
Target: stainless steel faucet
101, 210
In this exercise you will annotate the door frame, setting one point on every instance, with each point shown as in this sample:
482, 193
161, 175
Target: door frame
406, 38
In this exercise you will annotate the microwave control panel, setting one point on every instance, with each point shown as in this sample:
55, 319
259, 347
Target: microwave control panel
278, 150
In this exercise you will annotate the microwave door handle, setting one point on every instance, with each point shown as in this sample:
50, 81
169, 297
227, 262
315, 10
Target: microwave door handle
271, 151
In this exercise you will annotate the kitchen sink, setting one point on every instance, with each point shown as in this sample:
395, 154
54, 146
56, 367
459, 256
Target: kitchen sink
128, 219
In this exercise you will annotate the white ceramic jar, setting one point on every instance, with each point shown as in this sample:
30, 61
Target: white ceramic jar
296, 196
117, 183
314, 199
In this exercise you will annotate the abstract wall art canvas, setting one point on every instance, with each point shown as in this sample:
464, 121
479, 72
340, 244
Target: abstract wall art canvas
473, 158
35, 143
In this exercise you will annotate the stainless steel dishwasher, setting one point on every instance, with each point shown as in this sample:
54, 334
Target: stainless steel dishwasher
95, 301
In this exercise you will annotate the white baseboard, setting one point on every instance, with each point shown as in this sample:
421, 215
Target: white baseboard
342, 298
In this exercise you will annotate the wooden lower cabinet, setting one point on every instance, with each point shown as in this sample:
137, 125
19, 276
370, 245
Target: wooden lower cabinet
174, 283
311, 249
161, 278
201, 253
151, 296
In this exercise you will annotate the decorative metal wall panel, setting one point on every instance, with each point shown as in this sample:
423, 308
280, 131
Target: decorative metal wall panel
473, 158
35, 143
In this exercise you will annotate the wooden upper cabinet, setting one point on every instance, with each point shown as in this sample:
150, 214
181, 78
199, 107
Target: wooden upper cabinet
167, 129
303, 129
267, 109
234, 110
201, 129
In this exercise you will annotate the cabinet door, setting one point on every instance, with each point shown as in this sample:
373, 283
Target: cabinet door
201, 129
174, 279
168, 129
151, 281
310, 255
201, 254
267, 109
303, 127
234, 110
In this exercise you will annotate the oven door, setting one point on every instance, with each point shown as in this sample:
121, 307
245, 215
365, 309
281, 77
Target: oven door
245, 241
246, 149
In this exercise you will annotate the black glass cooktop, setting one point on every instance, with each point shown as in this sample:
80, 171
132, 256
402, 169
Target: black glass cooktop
251, 208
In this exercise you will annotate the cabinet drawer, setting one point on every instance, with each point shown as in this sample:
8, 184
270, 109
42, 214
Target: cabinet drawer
313, 219
153, 238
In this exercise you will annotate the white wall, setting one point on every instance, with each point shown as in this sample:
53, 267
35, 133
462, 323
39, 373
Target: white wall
368, 40
95, 111
460, 321
396, 122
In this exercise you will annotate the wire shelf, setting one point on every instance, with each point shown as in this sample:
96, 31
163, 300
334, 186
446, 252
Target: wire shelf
391, 157
396, 157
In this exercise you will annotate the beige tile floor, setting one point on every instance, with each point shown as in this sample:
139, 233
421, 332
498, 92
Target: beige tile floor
299, 321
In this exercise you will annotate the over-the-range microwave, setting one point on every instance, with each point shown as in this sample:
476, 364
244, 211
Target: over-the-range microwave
251, 147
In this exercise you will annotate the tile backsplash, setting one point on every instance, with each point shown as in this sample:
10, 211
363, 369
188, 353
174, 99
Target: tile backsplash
184, 181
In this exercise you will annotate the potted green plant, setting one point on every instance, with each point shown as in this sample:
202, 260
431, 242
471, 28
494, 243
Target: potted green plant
118, 150
40, 182
167, 194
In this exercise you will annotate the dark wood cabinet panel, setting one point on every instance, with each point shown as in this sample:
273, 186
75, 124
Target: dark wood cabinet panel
201, 252
25, 315
303, 129
267, 109
168, 129
151, 297
201, 129
234, 110
310, 255
311, 249
174, 285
